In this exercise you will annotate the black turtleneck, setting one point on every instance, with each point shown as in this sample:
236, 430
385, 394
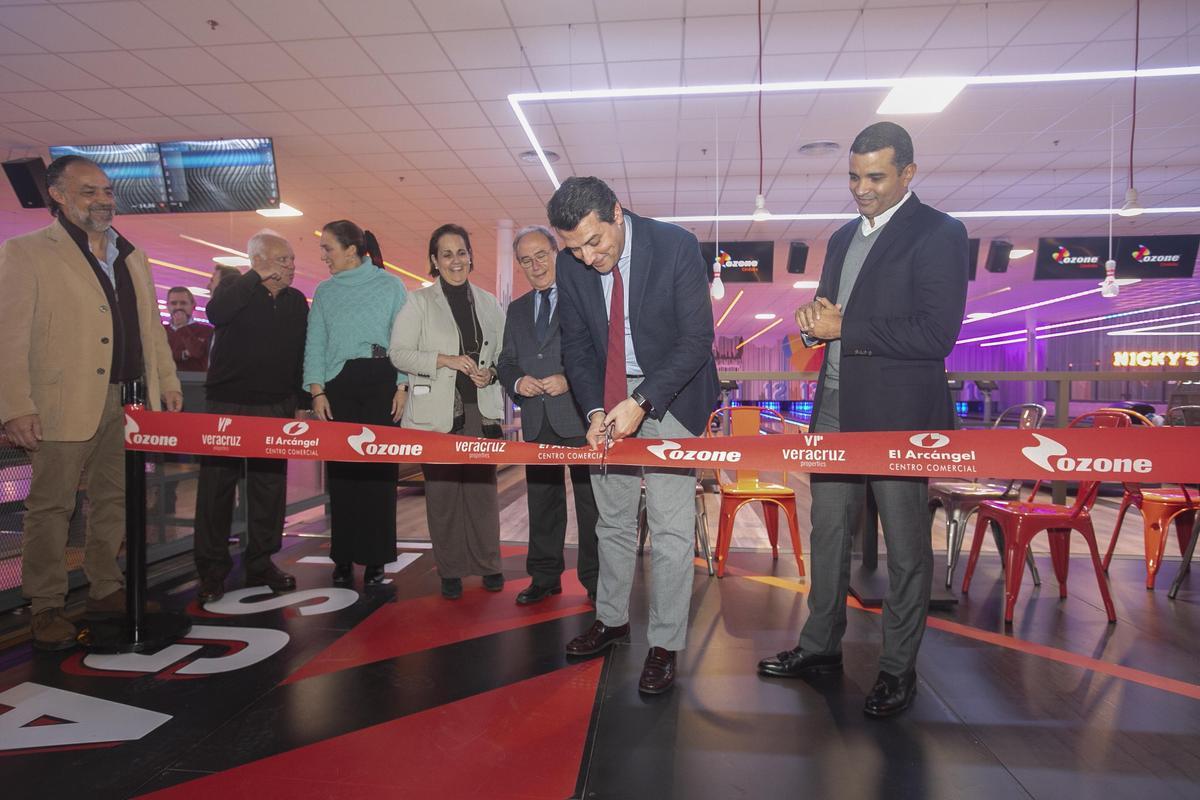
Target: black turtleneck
462, 306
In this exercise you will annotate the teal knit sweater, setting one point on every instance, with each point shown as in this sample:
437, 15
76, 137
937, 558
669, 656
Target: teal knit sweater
350, 312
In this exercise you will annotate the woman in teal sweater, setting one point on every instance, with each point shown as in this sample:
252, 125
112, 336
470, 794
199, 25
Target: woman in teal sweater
347, 371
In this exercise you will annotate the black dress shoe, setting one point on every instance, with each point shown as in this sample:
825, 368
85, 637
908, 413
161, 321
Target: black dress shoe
373, 575
274, 578
343, 574
891, 694
658, 673
796, 664
212, 589
451, 588
494, 582
596, 638
535, 594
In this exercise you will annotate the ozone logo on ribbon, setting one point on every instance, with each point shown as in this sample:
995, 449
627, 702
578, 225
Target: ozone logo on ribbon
929, 440
296, 428
357, 441
673, 451
131, 428
1052, 457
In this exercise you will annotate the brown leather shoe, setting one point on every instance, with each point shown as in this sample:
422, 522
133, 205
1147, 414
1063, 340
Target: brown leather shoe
52, 630
658, 673
596, 638
212, 588
273, 577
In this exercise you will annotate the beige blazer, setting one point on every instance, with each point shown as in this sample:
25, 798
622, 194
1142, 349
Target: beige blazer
426, 327
57, 333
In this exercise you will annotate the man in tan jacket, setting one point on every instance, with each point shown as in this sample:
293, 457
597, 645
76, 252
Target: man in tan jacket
80, 320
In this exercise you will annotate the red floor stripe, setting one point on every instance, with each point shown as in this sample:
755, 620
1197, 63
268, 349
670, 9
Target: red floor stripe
519, 742
410, 626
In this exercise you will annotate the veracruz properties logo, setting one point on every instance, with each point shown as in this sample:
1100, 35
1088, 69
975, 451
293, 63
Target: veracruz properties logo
1052, 456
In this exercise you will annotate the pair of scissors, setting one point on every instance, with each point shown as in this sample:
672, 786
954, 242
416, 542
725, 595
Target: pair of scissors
608, 442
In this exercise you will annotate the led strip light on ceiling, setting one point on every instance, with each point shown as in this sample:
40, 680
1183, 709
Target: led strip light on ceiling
1024, 332
516, 100
1023, 339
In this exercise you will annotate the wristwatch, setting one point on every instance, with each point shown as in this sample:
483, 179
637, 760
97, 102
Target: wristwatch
643, 403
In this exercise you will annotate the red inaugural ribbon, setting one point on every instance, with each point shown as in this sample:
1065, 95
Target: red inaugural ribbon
1137, 454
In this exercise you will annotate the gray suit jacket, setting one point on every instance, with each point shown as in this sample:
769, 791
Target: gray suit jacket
521, 356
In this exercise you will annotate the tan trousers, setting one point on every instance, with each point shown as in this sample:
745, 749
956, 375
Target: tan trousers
57, 469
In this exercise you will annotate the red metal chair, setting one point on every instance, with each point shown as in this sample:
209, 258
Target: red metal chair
1020, 521
1159, 508
748, 488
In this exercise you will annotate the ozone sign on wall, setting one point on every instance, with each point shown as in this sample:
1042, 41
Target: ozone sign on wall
1083, 257
742, 262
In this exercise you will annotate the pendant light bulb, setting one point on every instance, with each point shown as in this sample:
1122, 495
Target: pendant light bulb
1132, 207
760, 209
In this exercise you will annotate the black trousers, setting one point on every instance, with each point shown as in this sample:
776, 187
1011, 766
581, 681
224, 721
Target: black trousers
362, 496
547, 496
266, 500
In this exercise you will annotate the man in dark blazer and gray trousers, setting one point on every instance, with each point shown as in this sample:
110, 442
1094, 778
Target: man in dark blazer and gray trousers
531, 370
637, 330
889, 307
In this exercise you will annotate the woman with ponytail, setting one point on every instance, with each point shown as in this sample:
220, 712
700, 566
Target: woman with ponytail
347, 371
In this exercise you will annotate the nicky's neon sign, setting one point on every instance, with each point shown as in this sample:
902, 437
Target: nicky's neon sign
1156, 358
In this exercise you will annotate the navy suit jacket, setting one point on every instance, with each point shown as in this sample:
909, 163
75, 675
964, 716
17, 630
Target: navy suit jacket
671, 322
901, 321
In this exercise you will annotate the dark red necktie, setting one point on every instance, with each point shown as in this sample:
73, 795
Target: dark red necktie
615, 388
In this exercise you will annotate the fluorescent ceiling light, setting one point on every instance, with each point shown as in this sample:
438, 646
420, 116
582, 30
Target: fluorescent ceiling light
997, 214
1089, 330
921, 96
729, 307
1051, 301
764, 316
284, 210
232, 261
179, 267
1019, 252
747, 341
200, 290
214, 246
806, 284
1155, 333
1157, 330
515, 100
1101, 318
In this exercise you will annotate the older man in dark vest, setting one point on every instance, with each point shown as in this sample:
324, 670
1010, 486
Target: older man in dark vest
531, 370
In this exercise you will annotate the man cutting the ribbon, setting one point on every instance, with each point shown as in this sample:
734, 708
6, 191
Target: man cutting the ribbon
637, 336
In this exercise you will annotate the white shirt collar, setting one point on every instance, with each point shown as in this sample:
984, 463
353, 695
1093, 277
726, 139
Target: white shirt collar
883, 218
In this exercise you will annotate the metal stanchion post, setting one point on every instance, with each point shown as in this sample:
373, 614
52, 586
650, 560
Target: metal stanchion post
139, 631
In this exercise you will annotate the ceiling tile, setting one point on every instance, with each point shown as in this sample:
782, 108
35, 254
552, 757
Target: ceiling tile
810, 32
270, 123
454, 115
416, 141
561, 44
487, 158
188, 65
119, 68
393, 118
216, 125
639, 9
362, 143
377, 17
570, 77
259, 62
299, 95
172, 100
709, 71
159, 127
48, 133
432, 87
335, 121
111, 103
443, 159
14, 44
50, 105
304, 145
103, 130
636, 74
482, 49
332, 57
128, 24
706, 37
417, 52
550, 12
49, 71
14, 113
472, 138
853, 65
462, 14
291, 19
191, 18
234, 98
1076, 21
365, 90
633, 41
498, 84
53, 29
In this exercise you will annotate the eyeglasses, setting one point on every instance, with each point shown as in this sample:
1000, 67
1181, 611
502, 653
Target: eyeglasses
284, 261
541, 256
608, 443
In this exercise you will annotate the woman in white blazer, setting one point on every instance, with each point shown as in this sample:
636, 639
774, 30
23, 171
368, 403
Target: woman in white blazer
447, 339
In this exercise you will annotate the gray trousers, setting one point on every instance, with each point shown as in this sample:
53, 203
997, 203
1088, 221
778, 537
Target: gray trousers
670, 515
837, 507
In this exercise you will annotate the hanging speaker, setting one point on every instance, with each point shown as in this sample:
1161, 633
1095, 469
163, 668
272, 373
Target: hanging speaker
28, 179
797, 257
997, 258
